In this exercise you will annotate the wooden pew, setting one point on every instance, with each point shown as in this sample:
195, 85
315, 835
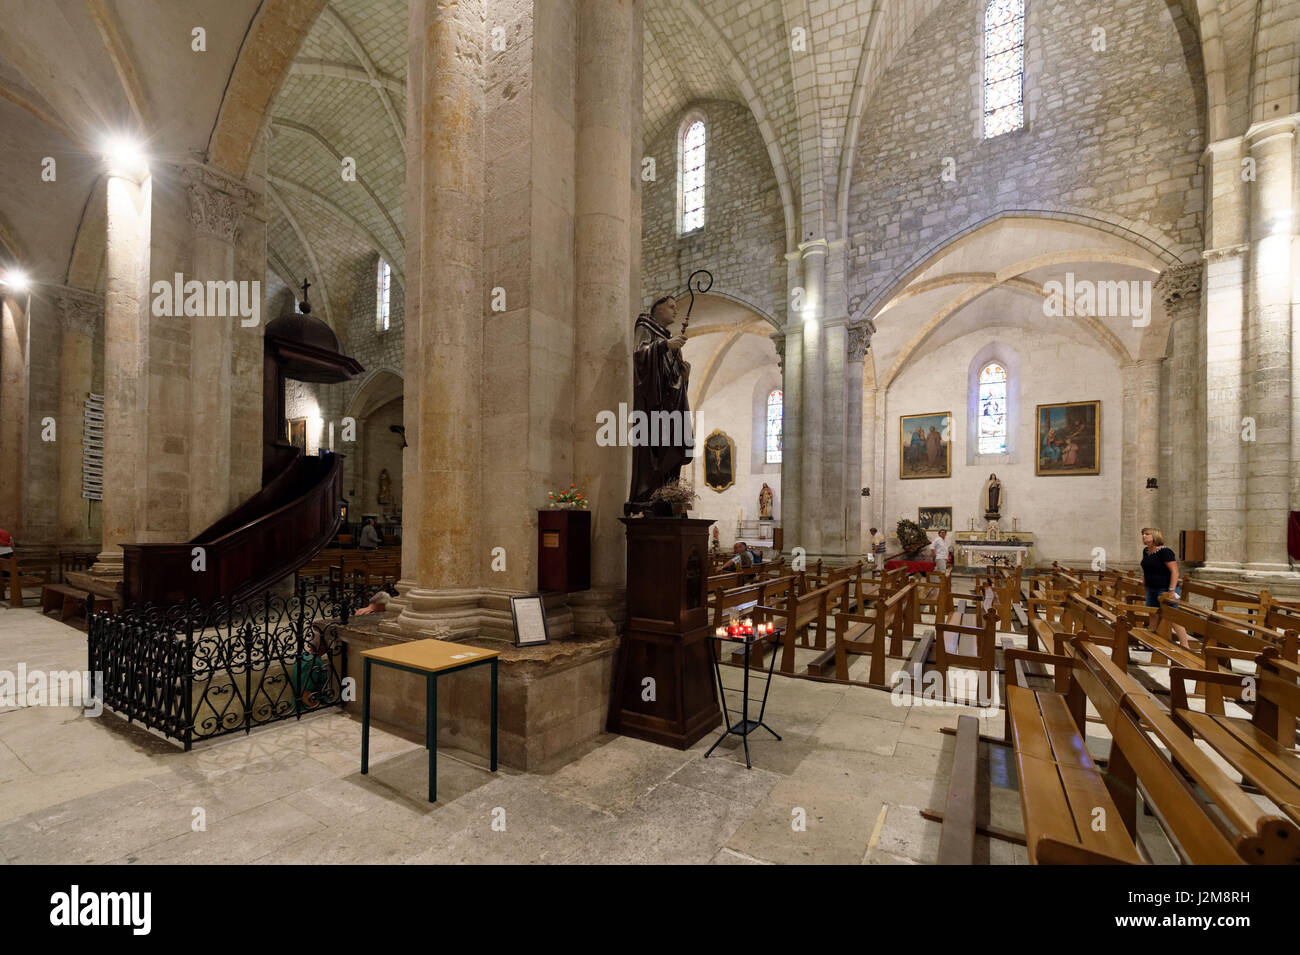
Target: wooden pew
957, 837
859, 633
25, 572
1096, 623
972, 648
798, 614
1207, 814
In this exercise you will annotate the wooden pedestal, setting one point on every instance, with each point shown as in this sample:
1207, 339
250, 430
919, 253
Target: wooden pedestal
563, 550
663, 679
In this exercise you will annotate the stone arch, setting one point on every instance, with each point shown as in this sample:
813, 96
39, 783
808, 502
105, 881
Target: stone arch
264, 60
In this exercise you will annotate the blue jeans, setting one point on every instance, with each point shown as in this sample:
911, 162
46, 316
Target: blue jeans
1153, 594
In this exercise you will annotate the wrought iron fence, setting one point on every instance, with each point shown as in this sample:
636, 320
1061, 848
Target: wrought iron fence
196, 672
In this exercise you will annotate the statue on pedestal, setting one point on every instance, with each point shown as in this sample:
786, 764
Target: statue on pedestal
765, 503
992, 498
661, 432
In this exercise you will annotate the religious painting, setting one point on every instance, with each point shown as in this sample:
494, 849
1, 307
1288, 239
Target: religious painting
925, 445
719, 461
934, 518
298, 433
1069, 438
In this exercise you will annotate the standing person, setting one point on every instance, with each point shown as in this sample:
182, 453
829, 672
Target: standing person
940, 547
369, 536
877, 541
1160, 573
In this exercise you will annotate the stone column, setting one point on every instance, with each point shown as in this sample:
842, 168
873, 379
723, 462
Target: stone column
13, 408
808, 534
1179, 288
789, 344
858, 341
1268, 345
605, 208
444, 230
80, 313
126, 364
1147, 448
216, 207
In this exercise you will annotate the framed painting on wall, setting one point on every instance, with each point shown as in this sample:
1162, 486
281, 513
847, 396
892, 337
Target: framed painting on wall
925, 445
934, 518
719, 461
298, 433
1069, 438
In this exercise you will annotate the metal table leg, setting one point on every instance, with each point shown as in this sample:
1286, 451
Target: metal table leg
431, 732
494, 714
365, 718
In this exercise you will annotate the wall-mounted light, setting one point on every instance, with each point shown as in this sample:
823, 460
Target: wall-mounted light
1152, 485
125, 157
15, 280
866, 492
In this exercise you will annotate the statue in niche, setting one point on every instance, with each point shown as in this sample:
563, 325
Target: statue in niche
992, 498
659, 380
765, 503
385, 487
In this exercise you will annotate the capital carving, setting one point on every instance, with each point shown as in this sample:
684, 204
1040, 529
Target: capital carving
778, 339
80, 312
859, 338
217, 204
1179, 288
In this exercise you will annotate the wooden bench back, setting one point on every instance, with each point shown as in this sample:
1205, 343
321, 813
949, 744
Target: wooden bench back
1148, 747
1094, 622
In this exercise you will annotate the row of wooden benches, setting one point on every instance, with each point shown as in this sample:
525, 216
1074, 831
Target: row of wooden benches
1078, 809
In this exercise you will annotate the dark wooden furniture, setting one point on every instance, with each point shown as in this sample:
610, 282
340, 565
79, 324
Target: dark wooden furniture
25, 572
563, 550
1191, 546
663, 684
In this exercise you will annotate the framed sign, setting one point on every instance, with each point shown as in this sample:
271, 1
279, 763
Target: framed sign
298, 433
529, 616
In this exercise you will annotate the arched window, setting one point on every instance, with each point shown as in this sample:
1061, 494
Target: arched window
993, 409
775, 407
383, 284
1004, 67
691, 176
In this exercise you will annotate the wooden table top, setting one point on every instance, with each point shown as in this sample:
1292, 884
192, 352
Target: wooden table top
430, 655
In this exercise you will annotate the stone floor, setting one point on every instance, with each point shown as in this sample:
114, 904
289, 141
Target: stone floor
844, 785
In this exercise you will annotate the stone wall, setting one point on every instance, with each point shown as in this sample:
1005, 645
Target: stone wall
1114, 135
743, 239
1068, 515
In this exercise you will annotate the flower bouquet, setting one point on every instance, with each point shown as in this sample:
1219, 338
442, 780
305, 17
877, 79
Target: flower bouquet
570, 499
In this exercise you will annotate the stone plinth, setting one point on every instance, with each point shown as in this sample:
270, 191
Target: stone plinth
553, 699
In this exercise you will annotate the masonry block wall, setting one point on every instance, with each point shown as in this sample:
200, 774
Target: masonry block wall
743, 239
1114, 135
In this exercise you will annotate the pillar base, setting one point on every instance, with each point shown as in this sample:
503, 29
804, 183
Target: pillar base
108, 563
598, 613
441, 614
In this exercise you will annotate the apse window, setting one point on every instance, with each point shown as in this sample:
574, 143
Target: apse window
383, 288
691, 177
993, 409
775, 407
1004, 67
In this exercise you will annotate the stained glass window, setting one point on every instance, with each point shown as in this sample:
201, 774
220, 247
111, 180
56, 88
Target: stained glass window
1004, 67
383, 282
993, 409
692, 167
775, 406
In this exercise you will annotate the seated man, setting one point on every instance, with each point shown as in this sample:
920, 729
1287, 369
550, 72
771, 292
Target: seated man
742, 561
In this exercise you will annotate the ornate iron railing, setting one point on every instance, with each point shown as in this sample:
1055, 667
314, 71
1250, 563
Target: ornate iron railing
195, 672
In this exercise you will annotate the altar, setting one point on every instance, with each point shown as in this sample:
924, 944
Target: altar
971, 549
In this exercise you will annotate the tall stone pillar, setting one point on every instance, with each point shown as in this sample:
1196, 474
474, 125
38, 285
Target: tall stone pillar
808, 534
126, 364
857, 342
80, 313
216, 206
606, 206
1179, 288
789, 347
1268, 345
13, 408
1147, 447
444, 232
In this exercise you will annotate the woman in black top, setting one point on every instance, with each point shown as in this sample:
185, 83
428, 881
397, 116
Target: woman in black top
1160, 573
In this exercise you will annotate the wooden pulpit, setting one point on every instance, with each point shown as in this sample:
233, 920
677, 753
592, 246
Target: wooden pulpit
663, 679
